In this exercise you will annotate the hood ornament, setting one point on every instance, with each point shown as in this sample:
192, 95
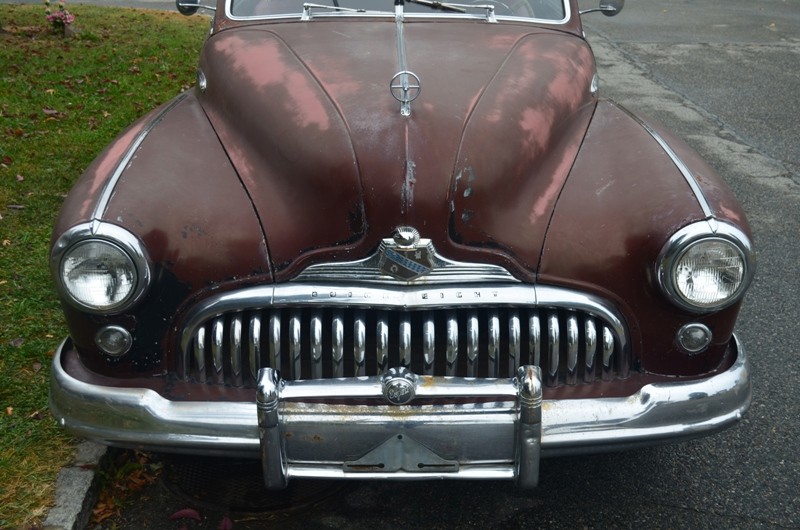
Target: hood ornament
405, 256
405, 88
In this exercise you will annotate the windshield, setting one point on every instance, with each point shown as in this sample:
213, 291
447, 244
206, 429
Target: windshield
550, 10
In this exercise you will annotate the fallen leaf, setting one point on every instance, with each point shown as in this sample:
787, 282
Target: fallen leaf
16, 207
17, 342
225, 524
6, 242
37, 366
20, 178
9, 411
186, 513
50, 91
37, 415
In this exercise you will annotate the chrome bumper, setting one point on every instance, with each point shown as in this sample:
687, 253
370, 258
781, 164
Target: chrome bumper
345, 428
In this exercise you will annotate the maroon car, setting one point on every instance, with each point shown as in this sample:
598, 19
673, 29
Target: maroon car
399, 239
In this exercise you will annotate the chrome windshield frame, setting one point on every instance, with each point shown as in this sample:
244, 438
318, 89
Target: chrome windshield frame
390, 13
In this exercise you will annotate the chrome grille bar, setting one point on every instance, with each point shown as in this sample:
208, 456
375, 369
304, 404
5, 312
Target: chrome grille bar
494, 344
428, 344
254, 346
573, 342
275, 341
572, 349
295, 332
382, 349
514, 338
359, 347
452, 343
316, 345
218, 330
338, 344
236, 349
590, 349
473, 334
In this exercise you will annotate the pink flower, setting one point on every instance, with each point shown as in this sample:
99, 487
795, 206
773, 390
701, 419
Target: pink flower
60, 18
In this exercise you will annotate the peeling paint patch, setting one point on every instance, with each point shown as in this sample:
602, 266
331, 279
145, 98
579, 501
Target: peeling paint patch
408, 186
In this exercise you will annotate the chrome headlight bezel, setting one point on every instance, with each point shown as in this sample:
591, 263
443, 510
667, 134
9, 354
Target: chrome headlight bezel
688, 238
115, 237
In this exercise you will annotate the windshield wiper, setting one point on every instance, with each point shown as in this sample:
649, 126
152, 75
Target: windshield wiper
457, 8
308, 7
441, 6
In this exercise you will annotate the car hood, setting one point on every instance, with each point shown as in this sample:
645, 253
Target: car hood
305, 113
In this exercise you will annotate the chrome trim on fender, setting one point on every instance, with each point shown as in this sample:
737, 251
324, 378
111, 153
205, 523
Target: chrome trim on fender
111, 183
691, 180
135, 417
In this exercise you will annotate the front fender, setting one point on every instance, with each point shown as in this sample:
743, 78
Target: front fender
168, 181
624, 198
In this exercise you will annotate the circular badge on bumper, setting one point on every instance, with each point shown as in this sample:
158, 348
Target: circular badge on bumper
399, 386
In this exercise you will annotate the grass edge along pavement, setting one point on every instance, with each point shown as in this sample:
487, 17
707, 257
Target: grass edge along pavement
61, 101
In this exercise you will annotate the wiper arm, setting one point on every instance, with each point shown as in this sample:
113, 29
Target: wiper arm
441, 6
308, 7
458, 8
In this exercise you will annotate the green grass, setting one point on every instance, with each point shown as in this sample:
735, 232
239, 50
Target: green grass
61, 101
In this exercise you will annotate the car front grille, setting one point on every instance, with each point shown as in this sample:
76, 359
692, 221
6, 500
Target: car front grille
313, 332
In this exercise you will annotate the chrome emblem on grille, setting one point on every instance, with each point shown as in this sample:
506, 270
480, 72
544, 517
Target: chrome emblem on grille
405, 256
399, 386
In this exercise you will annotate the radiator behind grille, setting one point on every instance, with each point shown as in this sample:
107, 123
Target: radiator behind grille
571, 346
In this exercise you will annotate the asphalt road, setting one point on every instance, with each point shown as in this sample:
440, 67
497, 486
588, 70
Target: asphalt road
725, 75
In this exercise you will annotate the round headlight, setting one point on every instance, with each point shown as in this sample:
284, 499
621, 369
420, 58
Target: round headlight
98, 274
709, 272
100, 267
703, 269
